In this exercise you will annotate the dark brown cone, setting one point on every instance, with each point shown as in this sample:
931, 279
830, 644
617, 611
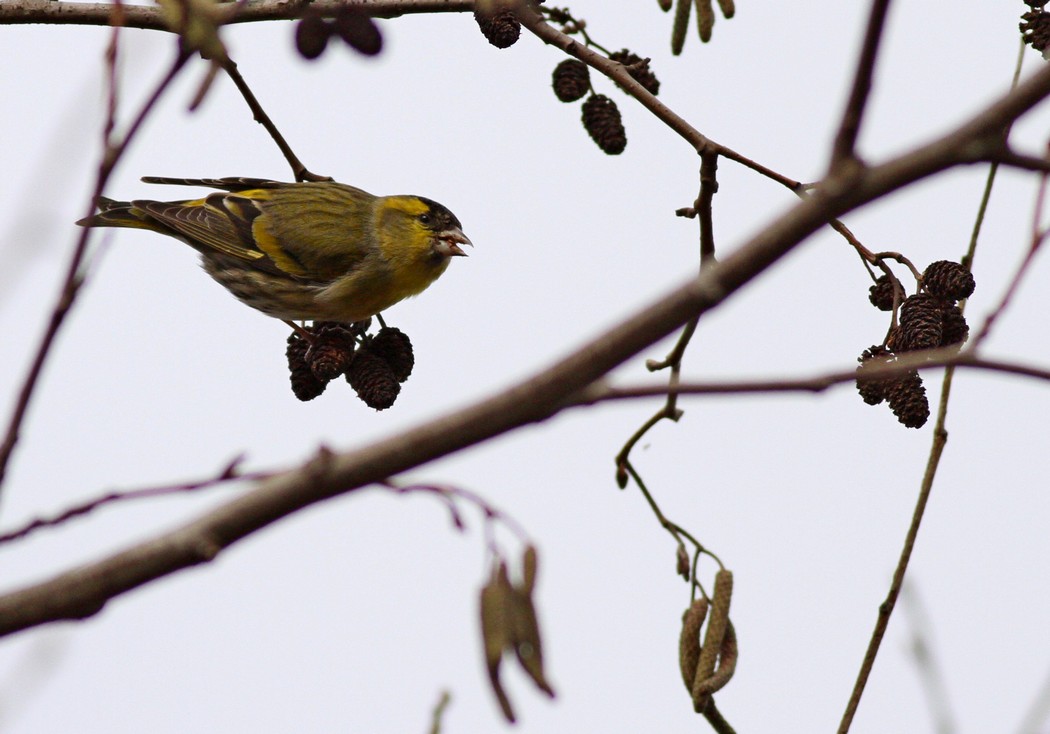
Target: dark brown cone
395, 348
373, 380
873, 392
907, 400
954, 329
571, 80
305, 384
333, 348
881, 293
639, 69
1035, 29
948, 280
920, 323
501, 28
601, 118
311, 34
358, 30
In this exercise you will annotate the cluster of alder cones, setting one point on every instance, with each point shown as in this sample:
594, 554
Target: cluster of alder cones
374, 365
571, 81
929, 319
1035, 25
601, 117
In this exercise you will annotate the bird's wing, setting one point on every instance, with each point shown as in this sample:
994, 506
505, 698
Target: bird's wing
220, 223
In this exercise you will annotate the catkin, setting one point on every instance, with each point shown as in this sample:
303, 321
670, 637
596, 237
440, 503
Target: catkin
716, 632
681, 25
689, 641
726, 664
705, 19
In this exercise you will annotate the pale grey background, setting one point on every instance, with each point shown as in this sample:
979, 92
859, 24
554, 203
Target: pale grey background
352, 616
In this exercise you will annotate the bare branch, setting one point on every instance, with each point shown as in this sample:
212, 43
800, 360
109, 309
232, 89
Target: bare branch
299, 171
85, 590
112, 152
846, 139
228, 474
940, 438
148, 17
599, 393
1036, 239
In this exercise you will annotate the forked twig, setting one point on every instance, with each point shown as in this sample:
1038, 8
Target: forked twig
229, 474
300, 171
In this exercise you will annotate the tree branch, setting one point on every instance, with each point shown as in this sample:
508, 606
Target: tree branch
846, 139
85, 590
600, 393
112, 152
148, 17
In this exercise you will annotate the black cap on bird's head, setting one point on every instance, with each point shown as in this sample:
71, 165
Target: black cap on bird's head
446, 228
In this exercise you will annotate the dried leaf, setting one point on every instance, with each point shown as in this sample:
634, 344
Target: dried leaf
529, 561
496, 629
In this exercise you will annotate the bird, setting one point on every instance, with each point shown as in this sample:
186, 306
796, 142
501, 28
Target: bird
306, 251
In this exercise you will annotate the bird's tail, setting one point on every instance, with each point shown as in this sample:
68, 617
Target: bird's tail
113, 213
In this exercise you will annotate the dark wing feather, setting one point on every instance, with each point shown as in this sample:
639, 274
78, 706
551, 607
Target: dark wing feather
229, 183
222, 225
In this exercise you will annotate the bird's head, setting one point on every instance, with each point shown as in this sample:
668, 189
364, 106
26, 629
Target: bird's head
420, 224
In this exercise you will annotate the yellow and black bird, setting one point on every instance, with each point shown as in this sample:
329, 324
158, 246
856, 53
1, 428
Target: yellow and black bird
312, 251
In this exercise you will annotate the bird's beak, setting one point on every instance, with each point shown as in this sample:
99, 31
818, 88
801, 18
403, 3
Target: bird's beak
449, 241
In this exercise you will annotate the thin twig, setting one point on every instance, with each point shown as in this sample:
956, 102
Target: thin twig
112, 153
228, 474
886, 608
148, 17
1036, 239
716, 720
940, 438
702, 144
622, 458
702, 209
439, 712
450, 494
931, 676
83, 591
300, 171
666, 524
846, 139
600, 392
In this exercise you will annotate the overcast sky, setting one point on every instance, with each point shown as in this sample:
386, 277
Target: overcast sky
354, 615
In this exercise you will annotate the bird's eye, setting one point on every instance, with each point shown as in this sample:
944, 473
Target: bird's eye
425, 217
